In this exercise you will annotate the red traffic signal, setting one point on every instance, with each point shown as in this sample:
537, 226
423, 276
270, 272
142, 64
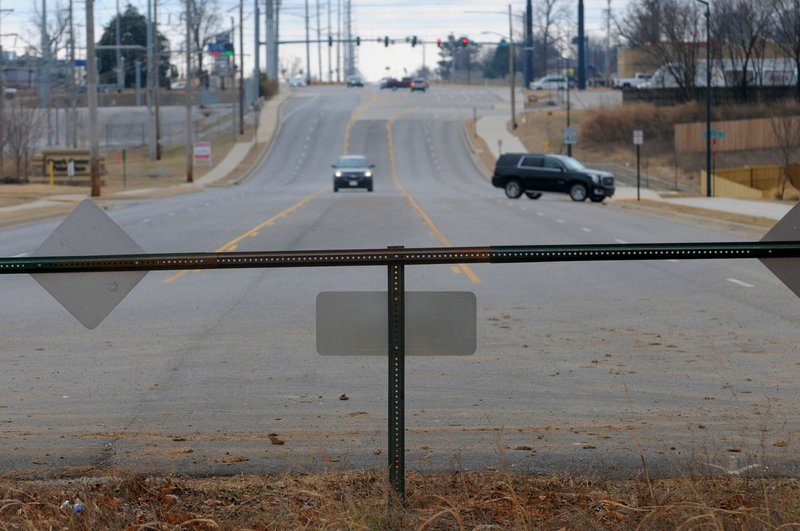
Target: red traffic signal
464, 41
439, 43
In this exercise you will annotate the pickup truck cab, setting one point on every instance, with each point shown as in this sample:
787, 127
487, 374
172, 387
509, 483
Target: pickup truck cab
638, 80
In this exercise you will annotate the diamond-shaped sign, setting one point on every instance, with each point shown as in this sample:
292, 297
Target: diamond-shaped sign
90, 297
786, 269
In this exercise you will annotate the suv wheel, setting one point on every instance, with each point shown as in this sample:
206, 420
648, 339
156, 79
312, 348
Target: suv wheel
513, 189
577, 192
533, 195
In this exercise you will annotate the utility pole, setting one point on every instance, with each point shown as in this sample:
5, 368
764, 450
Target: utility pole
308, 51
608, 45
256, 58
319, 45
91, 100
151, 69
330, 64
72, 122
157, 77
189, 80
338, 40
118, 40
511, 67
2, 88
241, 67
529, 43
44, 81
581, 49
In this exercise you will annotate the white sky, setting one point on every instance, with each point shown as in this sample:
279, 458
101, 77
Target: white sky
397, 19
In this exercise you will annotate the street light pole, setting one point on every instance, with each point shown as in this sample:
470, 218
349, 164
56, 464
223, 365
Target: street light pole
512, 81
708, 97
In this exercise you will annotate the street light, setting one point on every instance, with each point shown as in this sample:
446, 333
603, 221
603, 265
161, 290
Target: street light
511, 75
708, 96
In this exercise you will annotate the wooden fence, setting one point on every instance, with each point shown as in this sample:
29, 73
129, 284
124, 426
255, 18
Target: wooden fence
739, 135
756, 182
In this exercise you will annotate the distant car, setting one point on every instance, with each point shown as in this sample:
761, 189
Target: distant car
352, 171
534, 173
388, 82
419, 84
178, 85
9, 92
395, 84
355, 81
549, 83
297, 81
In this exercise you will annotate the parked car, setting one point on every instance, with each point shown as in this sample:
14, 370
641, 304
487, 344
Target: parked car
549, 83
177, 85
352, 171
419, 84
533, 173
355, 81
297, 81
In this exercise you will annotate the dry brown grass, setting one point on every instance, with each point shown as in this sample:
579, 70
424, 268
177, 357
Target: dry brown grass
360, 500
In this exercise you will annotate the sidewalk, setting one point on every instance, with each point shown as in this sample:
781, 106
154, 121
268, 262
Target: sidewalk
492, 129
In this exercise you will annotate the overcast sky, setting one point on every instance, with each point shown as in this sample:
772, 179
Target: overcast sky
397, 19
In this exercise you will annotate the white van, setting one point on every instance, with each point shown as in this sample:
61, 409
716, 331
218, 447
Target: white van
549, 83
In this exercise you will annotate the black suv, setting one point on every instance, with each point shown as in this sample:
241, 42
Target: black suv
534, 173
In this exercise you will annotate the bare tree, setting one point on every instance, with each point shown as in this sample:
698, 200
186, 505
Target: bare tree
785, 24
742, 32
669, 31
785, 124
550, 14
24, 125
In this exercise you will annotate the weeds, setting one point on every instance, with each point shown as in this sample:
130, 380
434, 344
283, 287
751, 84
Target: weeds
435, 501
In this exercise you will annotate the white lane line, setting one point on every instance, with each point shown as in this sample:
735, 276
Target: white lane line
586, 229
21, 255
146, 220
561, 221
620, 241
739, 282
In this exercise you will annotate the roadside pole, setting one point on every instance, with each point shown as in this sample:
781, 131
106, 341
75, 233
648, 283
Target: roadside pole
638, 140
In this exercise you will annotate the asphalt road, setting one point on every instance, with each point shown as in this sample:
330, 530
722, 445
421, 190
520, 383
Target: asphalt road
687, 366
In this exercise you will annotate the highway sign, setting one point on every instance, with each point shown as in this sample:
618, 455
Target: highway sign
786, 230
89, 297
438, 323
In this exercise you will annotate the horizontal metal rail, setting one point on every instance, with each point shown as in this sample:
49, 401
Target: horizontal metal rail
406, 256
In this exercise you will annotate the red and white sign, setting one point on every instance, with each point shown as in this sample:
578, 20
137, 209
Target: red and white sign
202, 151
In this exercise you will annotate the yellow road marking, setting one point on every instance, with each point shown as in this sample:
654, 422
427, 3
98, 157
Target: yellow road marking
411, 201
234, 243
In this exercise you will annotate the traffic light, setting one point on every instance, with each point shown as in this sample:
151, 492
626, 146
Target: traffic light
386, 42
227, 48
330, 40
464, 42
439, 43
413, 41
358, 41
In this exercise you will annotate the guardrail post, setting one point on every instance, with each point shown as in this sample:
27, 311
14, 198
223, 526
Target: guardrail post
396, 296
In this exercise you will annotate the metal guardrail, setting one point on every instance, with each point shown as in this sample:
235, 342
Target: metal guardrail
777, 250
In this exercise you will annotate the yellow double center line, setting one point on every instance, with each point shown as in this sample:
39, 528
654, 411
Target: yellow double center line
234, 243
